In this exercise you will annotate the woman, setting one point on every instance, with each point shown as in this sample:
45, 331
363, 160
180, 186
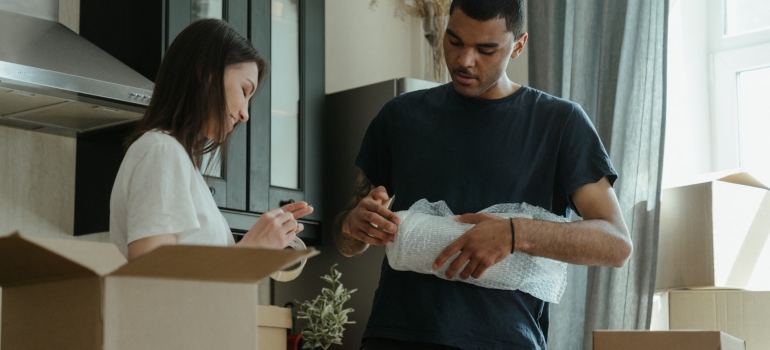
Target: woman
203, 89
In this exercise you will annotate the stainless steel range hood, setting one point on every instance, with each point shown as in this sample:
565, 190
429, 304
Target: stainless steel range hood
53, 80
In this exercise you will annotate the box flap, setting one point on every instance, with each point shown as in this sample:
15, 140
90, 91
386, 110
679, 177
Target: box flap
206, 263
24, 261
744, 178
736, 176
101, 258
731, 343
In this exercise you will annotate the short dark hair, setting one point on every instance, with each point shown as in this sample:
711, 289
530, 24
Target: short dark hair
189, 94
483, 10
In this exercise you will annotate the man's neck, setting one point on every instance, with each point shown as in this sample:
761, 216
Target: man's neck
505, 87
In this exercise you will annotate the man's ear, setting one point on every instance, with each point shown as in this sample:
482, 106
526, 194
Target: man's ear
519, 45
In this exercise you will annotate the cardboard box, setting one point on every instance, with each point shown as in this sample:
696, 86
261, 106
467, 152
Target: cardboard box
273, 323
742, 314
660, 340
66, 294
715, 234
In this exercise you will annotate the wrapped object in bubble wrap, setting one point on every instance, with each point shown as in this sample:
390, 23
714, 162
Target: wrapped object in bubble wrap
427, 228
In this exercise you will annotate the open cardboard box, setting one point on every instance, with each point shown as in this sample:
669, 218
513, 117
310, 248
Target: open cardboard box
715, 234
67, 294
670, 340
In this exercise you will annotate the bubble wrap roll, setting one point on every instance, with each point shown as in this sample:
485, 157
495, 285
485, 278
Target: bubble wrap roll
427, 228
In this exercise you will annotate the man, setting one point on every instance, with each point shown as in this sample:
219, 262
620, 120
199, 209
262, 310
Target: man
480, 141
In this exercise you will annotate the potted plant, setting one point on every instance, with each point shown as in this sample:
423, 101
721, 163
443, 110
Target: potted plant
325, 314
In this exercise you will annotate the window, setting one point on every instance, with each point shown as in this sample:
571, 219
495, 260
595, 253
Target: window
754, 120
745, 16
717, 115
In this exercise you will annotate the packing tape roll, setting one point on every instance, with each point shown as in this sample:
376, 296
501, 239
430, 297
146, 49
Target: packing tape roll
288, 275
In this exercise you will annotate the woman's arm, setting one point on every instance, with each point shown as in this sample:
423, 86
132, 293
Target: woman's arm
143, 246
274, 230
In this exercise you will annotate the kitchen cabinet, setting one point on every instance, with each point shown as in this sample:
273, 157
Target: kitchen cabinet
139, 32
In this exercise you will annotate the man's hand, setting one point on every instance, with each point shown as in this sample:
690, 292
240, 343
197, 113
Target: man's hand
371, 221
484, 245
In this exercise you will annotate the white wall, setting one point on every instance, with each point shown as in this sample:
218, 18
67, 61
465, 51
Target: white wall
365, 46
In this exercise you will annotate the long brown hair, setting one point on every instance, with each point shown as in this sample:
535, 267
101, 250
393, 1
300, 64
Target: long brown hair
189, 94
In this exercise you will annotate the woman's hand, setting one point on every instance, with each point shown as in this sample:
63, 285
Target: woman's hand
276, 228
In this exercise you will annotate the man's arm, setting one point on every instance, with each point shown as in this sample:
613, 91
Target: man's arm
600, 239
365, 221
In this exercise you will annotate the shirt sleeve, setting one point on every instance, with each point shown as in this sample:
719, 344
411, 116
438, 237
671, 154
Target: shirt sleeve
583, 158
159, 199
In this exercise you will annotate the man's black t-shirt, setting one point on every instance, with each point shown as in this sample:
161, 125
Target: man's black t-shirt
435, 144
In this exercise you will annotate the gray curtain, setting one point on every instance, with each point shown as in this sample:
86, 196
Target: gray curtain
609, 56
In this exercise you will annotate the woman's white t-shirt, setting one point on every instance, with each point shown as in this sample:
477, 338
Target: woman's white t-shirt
159, 191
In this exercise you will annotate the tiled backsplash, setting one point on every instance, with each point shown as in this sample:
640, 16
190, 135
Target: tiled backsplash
37, 184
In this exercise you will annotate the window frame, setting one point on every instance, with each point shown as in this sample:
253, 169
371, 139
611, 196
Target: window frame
729, 55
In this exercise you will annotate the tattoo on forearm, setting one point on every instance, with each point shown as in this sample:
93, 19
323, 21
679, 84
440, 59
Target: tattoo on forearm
360, 191
346, 244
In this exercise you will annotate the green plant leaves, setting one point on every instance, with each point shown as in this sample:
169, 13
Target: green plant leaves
325, 315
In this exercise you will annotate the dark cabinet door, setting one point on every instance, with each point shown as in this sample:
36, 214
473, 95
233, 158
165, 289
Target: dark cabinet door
228, 185
227, 181
267, 189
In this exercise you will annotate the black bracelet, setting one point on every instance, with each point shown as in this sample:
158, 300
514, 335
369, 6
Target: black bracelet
513, 236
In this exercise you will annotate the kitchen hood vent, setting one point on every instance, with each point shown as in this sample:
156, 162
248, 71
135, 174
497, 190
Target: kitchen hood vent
53, 80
